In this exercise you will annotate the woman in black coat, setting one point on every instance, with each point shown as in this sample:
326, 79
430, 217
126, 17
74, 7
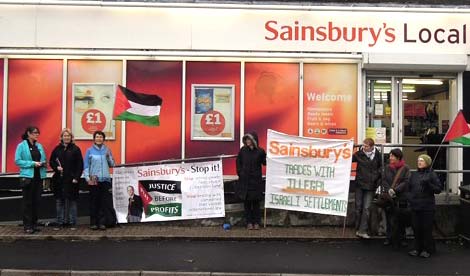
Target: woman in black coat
250, 186
67, 162
395, 181
424, 183
368, 172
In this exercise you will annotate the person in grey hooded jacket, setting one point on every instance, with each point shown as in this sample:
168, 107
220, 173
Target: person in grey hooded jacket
250, 186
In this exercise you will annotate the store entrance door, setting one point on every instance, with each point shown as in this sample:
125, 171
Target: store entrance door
409, 110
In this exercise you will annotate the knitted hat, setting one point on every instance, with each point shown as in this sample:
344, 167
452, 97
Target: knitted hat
427, 159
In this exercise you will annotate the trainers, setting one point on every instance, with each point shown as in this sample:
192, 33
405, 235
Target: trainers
94, 227
413, 253
425, 254
102, 227
249, 226
256, 227
387, 242
362, 235
73, 228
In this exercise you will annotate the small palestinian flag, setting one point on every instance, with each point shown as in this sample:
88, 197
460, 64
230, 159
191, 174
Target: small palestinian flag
137, 107
459, 131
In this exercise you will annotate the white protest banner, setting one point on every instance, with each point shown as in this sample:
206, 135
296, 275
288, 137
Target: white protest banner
308, 174
169, 192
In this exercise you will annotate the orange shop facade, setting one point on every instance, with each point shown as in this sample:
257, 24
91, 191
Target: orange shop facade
223, 70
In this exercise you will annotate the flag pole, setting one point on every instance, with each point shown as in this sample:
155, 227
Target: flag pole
444, 138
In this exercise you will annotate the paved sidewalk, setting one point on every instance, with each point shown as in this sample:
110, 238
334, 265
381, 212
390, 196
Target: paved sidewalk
154, 231
17, 272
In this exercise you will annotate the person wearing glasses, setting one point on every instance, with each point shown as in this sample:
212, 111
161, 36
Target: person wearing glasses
30, 157
424, 184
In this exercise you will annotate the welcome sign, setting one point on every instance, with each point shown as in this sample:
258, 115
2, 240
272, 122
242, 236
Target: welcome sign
308, 174
169, 192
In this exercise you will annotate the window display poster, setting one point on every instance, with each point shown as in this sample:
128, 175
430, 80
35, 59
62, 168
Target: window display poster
379, 134
379, 109
212, 112
330, 101
93, 110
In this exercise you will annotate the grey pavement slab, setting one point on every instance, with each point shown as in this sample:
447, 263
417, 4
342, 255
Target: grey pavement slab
18, 272
152, 231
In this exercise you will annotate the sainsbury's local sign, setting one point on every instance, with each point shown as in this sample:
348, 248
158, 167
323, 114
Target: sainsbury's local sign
370, 36
235, 29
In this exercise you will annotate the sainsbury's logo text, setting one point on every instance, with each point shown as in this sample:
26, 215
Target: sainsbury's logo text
371, 35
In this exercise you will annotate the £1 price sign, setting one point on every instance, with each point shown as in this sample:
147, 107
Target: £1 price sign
213, 122
93, 120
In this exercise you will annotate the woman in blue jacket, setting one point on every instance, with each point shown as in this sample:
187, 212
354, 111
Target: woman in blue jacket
30, 157
97, 161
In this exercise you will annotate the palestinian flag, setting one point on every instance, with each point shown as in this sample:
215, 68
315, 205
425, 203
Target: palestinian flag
459, 131
137, 107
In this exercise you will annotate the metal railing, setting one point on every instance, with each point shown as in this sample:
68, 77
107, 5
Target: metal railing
426, 146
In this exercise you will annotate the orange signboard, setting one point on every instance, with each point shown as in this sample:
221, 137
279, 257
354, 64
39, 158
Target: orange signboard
330, 101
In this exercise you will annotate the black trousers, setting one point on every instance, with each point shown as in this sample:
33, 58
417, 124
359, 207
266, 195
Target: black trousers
252, 211
100, 200
31, 197
422, 223
399, 218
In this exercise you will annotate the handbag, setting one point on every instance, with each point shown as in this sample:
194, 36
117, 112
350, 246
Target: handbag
24, 182
384, 199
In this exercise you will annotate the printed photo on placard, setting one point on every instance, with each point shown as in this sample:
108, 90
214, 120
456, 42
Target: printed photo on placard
167, 192
93, 110
212, 112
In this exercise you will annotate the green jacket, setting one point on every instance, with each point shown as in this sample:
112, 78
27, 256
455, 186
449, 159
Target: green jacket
25, 162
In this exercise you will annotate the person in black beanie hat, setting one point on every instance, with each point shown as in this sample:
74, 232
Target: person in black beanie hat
424, 183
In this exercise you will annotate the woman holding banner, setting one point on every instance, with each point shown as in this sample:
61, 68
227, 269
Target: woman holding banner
368, 175
395, 181
250, 186
67, 162
424, 183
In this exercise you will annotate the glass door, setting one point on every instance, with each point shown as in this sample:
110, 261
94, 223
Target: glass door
381, 111
412, 110
425, 118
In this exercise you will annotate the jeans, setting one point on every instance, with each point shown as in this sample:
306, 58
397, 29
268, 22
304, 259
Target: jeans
31, 198
363, 203
66, 211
